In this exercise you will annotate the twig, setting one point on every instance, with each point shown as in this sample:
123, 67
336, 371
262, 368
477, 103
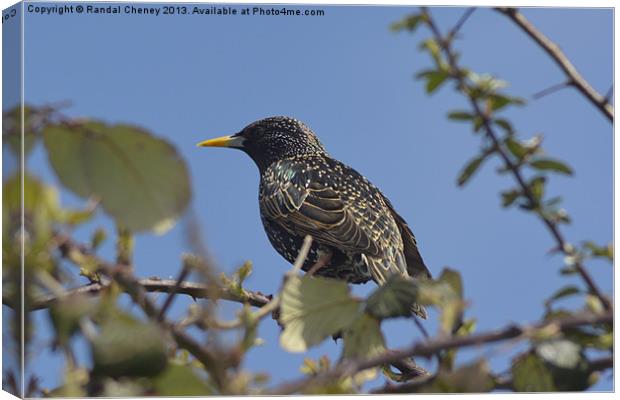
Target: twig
460, 23
550, 89
180, 279
561, 60
610, 93
323, 260
301, 256
427, 348
192, 289
510, 166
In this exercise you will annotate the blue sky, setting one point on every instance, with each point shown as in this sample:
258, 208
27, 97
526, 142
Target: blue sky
188, 78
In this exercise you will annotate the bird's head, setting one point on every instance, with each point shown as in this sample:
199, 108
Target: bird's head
271, 139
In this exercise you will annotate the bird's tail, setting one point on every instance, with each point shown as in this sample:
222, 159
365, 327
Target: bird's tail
380, 270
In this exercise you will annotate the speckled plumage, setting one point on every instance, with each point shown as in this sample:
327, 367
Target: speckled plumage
303, 191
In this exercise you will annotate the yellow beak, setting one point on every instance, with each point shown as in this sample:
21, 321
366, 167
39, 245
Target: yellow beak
224, 141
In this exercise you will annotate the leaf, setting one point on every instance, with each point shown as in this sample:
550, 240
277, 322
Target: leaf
128, 347
561, 353
516, 148
180, 380
470, 378
451, 317
409, 23
566, 362
509, 197
313, 308
594, 304
362, 340
548, 164
122, 387
12, 128
66, 314
537, 187
141, 180
433, 49
505, 125
497, 101
244, 271
392, 299
41, 211
98, 237
446, 293
562, 292
460, 116
529, 374
75, 380
434, 79
466, 328
470, 168
600, 251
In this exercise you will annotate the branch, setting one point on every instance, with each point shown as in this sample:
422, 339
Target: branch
427, 348
553, 228
193, 289
561, 60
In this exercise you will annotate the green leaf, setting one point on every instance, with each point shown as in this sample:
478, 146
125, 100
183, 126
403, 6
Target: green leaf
409, 23
497, 101
478, 123
460, 116
180, 380
537, 187
600, 251
244, 271
313, 308
530, 374
392, 299
74, 383
433, 49
362, 340
98, 237
505, 125
446, 293
41, 211
561, 293
470, 168
141, 180
516, 148
66, 314
451, 317
434, 79
12, 128
128, 347
547, 164
509, 197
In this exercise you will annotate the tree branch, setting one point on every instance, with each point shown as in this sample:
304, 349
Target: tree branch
427, 348
553, 228
193, 289
561, 60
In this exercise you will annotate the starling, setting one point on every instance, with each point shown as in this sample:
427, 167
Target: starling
357, 234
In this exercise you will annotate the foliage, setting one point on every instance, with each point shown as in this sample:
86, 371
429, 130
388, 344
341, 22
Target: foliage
141, 183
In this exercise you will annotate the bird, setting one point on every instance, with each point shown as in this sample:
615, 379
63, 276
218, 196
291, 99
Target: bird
357, 234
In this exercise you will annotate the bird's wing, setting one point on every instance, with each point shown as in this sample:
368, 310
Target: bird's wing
415, 265
304, 202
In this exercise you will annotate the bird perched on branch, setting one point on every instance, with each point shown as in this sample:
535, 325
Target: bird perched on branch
358, 236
